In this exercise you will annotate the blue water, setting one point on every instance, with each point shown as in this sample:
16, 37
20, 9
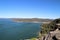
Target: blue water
10, 30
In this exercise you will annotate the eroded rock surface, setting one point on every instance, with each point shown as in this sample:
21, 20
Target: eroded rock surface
53, 35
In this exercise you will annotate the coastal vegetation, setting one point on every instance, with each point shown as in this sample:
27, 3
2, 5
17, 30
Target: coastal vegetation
49, 27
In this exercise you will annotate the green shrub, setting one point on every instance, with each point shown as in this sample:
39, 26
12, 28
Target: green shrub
51, 26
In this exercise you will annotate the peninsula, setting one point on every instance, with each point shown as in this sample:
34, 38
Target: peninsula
34, 20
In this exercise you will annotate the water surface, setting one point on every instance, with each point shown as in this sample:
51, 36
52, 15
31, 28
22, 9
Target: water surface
10, 30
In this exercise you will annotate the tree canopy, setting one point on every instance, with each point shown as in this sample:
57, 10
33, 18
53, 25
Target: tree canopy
51, 26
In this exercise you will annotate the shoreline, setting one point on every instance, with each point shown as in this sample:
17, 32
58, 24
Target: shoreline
33, 22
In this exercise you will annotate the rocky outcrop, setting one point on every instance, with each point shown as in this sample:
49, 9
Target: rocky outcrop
53, 35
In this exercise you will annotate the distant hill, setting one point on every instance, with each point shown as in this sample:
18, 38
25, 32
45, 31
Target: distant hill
31, 20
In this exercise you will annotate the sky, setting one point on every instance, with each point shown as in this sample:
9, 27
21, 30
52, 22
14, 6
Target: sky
30, 9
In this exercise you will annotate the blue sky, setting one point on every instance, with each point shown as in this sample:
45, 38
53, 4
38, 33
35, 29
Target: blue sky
30, 9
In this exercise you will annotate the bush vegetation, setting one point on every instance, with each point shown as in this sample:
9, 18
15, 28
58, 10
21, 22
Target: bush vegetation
48, 27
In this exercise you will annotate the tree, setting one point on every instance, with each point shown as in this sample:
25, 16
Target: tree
53, 25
